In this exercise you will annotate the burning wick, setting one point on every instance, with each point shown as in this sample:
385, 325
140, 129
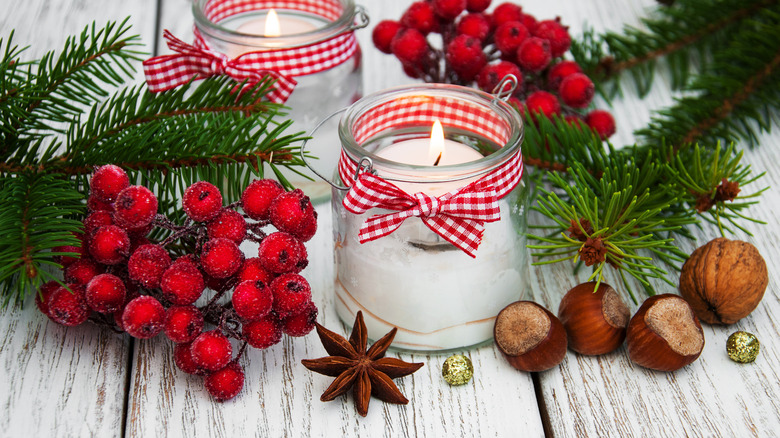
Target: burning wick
436, 163
437, 142
272, 24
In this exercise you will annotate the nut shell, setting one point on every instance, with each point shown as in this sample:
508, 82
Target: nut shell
724, 280
664, 334
530, 337
595, 322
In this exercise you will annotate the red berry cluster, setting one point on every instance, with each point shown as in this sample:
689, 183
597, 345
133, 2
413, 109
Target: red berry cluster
143, 287
482, 48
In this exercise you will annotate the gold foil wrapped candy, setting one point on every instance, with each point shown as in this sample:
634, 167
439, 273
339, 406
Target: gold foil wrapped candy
457, 369
742, 347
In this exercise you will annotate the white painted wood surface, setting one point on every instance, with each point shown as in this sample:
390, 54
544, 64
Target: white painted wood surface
72, 382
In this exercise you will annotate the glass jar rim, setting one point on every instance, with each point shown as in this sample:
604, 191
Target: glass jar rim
329, 30
450, 172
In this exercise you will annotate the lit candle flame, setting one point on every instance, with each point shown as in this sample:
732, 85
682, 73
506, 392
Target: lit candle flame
272, 24
437, 143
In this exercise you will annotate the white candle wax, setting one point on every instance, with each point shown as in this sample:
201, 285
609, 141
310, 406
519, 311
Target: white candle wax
288, 25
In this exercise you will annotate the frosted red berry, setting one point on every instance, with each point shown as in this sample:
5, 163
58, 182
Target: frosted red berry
490, 75
602, 122
509, 36
420, 16
202, 201
448, 9
68, 307
302, 322
576, 90
183, 323
229, 224
506, 12
557, 34
290, 210
543, 102
291, 293
135, 207
95, 220
182, 357
529, 21
409, 46
534, 55
105, 293
66, 260
211, 350
143, 317
257, 197
307, 228
477, 5
107, 182
264, 332
465, 56
559, 71
95, 204
252, 270
82, 271
383, 34
182, 283
225, 383
281, 252
475, 25
109, 245
43, 294
221, 258
252, 300
147, 265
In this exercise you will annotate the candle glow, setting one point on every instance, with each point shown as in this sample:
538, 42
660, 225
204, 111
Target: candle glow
436, 150
272, 24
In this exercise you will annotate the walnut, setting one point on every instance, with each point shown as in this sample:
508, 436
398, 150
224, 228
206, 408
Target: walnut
724, 280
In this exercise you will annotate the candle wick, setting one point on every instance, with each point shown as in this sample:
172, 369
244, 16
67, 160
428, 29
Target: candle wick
436, 163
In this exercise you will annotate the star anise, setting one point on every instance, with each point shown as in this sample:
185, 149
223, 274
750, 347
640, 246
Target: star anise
367, 370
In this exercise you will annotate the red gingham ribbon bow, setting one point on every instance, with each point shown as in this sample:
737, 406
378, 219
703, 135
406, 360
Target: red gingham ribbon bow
457, 216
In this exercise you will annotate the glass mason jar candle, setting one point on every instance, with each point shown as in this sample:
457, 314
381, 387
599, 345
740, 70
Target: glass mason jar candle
458, 254
311, 41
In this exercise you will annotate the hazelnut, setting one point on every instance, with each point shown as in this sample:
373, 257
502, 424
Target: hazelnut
664, 334
724, 280
595, 321
530, 337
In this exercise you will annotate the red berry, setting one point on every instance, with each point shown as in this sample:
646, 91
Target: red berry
202, 201
490, 75
105, 293
182, 357
221, 258
509, 36
465, 56
211, 350
147, 265
413, 71
109, 245
182, 283
281, 252
264, 332
225, 383
107, 182
290, 211
252, 300
308, 228
559, 71
409, 46
477, 5
229, 224
252, 270
576, 90
43, 294
66, 260
81, 271
143, 317
556, 34
68, 307
95, 220
602, 122
529, 21
448, 9
533, 55
183, 323
95, 204
421, 17
544, 103
383, 34
476, 25
291, 293
301, 323
257, 198
135, 207
506, 12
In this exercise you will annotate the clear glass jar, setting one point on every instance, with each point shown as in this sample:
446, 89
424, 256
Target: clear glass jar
439, 297
236, 32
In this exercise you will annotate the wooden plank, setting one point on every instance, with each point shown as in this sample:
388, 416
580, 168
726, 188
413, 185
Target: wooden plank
57, 380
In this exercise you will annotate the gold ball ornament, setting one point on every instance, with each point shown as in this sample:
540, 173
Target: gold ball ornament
457, 370
742, 347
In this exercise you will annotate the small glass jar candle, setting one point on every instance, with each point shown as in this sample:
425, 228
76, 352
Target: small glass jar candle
441, 289
235, 28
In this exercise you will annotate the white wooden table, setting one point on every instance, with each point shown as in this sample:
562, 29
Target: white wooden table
86, 381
